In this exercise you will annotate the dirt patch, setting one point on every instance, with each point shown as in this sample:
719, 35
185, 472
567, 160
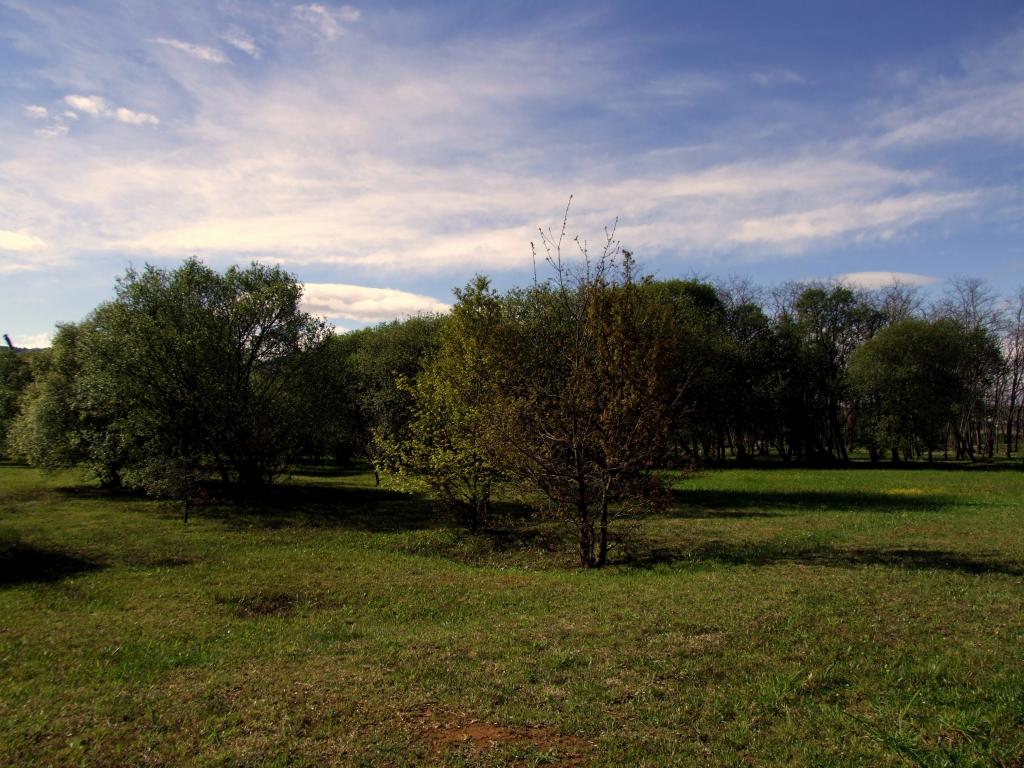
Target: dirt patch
260, 604
448, 732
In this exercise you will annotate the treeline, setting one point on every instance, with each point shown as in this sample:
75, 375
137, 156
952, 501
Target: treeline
571, 390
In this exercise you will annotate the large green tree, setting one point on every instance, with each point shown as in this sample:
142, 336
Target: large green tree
185, 372
910, 378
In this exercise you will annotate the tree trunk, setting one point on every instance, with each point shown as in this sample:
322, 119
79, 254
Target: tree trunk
602, 552
586, 532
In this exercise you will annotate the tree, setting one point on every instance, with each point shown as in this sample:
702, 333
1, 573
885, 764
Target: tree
55, 426
831, 321
15, 376
572, 385
185, 372
442, 442
378, 359
910, 378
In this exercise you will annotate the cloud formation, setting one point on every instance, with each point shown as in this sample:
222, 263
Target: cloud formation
243, 41
326, 21
874, 280
339, 301
398, 156
97, 106
19, 241
201, 52
90, 105
131, 117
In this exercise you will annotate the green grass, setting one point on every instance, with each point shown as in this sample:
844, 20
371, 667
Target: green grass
771, 617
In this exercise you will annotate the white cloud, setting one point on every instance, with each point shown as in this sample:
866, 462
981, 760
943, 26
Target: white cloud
448, 160
964, 111
873, 280
36, 112
33, 340
243, 41
326, 21
775, 77
19, 241
124, 115
882, 218
364, 304
201, 52
69, 115
90, 105
52, 131
99, 107
684, 88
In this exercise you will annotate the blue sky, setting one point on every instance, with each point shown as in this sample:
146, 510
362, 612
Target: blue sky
385, 152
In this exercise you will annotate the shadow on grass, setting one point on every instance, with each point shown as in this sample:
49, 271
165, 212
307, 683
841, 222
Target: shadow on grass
98, 492
29, 564
764, 554
320, 505
700, 503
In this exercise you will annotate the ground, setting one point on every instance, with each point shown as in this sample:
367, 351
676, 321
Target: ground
770, 617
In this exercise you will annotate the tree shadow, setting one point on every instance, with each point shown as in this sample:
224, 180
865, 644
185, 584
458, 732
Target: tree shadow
119, 495
323, 505
641, 555
702, 503
30, 564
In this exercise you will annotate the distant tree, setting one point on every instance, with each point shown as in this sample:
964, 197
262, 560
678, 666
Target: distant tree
831, 321
910, 379
1013, 342
701, 360
378, 359
56, 427
899, 301
15, 376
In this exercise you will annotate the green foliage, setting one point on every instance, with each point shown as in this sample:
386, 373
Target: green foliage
910, 378
15, 376
185, 372
378, 359
442, 442
569, 377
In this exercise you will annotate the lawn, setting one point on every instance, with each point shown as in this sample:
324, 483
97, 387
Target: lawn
771, 617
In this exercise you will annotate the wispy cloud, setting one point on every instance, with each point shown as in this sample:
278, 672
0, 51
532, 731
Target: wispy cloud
774, 77
340, 301
880, 218
243, 41
874, 280
201, 52
36, 112
329, 22
439, 159
52, 131
685, 87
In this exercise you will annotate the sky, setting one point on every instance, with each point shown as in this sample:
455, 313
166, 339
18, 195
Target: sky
385, 152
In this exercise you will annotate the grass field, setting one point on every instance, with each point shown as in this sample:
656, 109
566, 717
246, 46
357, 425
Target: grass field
772, 617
